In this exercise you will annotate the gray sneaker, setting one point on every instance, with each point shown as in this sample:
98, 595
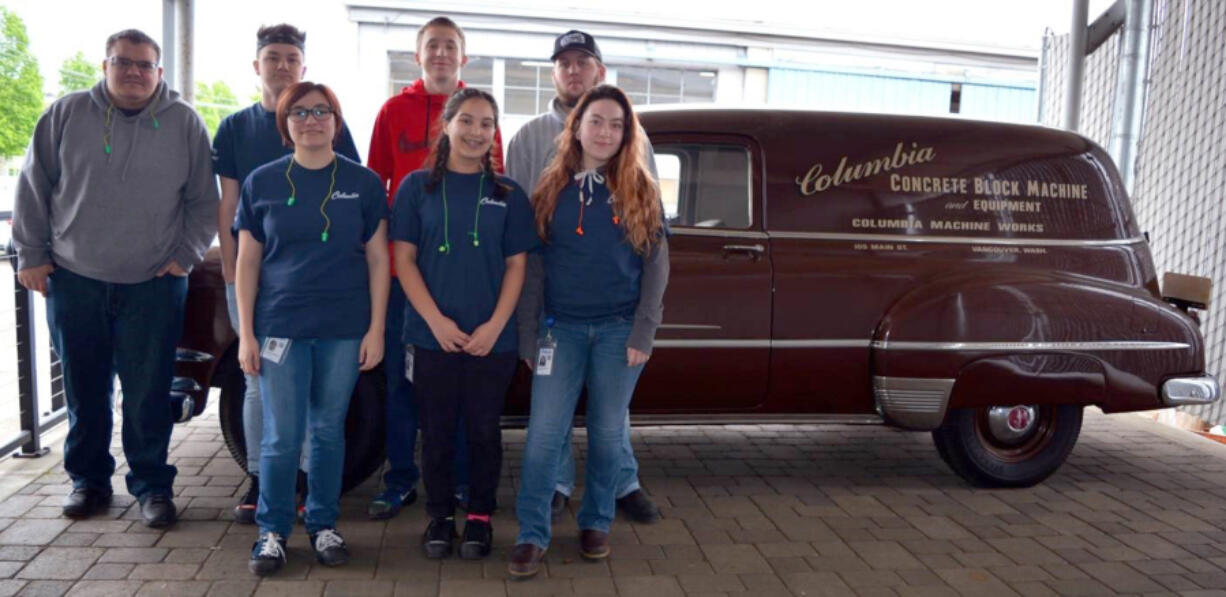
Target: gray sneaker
330, 548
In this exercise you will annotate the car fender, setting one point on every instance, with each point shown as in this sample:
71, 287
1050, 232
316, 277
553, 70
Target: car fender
962, 341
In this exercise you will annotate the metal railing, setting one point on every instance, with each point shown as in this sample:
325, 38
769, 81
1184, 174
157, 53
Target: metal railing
33, 423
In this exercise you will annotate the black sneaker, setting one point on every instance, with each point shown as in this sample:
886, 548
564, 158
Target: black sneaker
388, 504
244, 511
639, 507
84, 502
440, 534
478, 536
558, 504
329, 547
158, 510
267, 555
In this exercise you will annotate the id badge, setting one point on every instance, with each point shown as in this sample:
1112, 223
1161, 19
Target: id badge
544, 355
408, 363
275, 349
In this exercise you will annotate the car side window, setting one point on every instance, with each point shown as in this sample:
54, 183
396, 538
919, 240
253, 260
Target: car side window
705, 185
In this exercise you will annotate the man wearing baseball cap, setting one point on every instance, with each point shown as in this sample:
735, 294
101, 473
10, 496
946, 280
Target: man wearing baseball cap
577, 67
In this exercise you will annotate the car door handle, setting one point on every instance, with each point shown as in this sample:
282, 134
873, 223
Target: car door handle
749, 253
745, 248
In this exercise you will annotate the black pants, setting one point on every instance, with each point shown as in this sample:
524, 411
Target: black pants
449, 383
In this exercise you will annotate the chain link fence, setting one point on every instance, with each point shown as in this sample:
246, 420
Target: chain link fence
1180, 183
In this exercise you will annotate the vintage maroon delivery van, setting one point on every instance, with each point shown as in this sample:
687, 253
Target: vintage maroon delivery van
980, 281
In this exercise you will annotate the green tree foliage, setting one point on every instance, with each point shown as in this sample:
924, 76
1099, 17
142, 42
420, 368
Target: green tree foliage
215, 102
78, 74
21, 86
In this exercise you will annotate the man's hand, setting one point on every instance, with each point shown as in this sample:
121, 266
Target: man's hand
35, 278
228, 272
249, 355
173, 269
634, 357
370, 351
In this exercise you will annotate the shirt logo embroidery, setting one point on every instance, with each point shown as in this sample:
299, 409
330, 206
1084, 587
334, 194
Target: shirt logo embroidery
337, 195
491, 201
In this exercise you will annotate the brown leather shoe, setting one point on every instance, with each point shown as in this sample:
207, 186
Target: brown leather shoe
525, 561
593, 545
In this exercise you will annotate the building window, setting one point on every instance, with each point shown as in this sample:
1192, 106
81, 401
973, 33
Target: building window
529, 86
649, 85
479, 72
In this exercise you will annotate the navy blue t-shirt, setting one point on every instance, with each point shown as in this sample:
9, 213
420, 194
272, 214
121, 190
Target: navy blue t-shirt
464, 281
310, 288
248, 139
592, 276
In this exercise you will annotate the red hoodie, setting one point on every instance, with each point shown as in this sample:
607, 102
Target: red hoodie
401, 142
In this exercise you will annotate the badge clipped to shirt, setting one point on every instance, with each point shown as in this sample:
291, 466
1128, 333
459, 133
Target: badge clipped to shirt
545, 348
275, 349
408, 363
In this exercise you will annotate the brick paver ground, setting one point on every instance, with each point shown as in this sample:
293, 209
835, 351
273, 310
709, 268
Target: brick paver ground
748, 510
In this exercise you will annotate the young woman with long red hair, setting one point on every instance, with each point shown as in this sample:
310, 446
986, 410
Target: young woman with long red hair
602, 274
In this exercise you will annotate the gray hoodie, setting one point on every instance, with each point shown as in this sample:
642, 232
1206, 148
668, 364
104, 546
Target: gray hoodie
116, 216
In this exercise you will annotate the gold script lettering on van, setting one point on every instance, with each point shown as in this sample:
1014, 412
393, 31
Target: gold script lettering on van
814, 181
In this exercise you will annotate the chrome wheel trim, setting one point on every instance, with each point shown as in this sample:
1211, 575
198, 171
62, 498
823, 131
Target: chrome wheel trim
1012, 425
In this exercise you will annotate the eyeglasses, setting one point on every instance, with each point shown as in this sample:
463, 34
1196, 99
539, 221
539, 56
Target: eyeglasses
124, 64
319, 112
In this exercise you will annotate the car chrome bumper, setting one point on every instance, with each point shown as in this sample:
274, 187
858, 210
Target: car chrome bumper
1180, 391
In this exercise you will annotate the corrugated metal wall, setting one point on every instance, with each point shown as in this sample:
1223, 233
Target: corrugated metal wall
823, 90
1180, 188
991, 102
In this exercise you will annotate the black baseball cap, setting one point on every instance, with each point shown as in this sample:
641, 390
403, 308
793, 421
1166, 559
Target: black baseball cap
576, 40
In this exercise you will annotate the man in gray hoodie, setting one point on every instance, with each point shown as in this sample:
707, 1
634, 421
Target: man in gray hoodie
115, 204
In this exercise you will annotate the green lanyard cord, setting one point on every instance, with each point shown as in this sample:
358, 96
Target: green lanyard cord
446, 246
293, 192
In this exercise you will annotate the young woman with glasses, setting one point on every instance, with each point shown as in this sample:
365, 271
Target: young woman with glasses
312, 284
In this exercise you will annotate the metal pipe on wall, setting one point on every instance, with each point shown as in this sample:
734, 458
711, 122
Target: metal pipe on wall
1129, 105
187, 36
1043, 54
1076, 63
169, 41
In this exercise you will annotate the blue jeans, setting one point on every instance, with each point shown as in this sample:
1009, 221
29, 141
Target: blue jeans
591, 355
401, 407
253, 411
309, 389
100, 329
627, 475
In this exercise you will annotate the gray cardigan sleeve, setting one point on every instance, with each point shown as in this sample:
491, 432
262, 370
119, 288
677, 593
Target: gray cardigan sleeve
650, 312
531, 303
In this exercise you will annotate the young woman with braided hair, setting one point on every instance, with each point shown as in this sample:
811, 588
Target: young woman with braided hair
460, 235
602, 276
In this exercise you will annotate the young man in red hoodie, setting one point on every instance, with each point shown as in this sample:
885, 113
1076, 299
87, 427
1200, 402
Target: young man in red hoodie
405, 130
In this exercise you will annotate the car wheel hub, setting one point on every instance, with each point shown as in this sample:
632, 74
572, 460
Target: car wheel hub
1011, 424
